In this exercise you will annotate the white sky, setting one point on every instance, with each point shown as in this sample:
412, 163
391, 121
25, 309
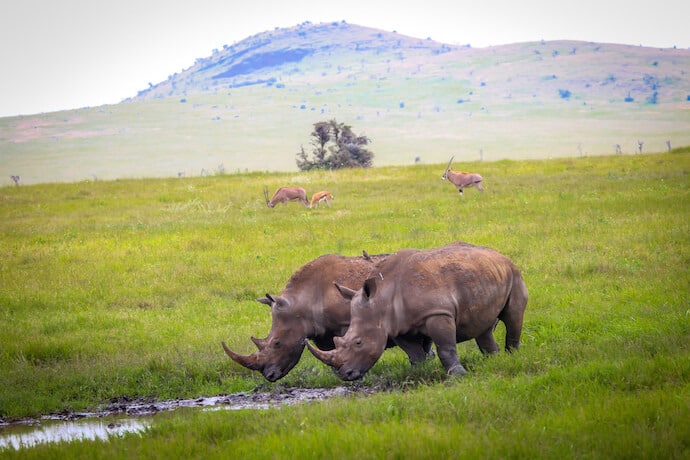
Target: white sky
64, 54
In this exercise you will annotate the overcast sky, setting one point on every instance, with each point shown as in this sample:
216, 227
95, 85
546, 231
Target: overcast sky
64, 54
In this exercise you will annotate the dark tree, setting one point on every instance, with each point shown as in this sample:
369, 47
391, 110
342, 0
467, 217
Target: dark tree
335, 146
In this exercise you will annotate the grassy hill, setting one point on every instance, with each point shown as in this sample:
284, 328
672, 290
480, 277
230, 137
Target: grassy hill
250, 106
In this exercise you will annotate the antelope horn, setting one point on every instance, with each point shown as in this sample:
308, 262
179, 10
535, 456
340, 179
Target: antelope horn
248, 361
451, 160
327, 357
266, 195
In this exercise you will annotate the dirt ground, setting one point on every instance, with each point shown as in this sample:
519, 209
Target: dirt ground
247, 400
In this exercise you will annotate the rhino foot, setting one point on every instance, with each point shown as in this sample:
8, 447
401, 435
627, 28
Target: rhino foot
457, 371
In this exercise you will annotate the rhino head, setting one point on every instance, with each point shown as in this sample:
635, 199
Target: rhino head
279, 352
365, 340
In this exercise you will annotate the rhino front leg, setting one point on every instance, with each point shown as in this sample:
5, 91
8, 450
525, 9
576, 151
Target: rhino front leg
442, 332
487, 343
416, 347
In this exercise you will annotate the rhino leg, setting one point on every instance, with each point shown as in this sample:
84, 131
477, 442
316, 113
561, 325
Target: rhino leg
512, 314
430, 354
442, 332
487, 343
414, 346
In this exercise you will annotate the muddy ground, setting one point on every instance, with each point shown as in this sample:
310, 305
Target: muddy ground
247, 400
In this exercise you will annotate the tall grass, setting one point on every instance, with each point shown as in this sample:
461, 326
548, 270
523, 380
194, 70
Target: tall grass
126, 288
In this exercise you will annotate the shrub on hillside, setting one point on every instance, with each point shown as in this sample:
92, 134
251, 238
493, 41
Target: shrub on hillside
335, 146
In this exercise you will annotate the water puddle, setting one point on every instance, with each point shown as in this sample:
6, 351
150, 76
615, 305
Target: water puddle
20, 436
123, 415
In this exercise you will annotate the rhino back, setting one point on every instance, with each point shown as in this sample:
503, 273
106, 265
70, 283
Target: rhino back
312, 293
469, 283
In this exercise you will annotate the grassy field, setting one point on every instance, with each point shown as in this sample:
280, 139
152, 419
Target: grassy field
126, 288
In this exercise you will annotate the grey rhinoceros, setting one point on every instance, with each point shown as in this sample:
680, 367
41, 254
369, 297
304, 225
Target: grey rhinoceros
450, 294
310, 307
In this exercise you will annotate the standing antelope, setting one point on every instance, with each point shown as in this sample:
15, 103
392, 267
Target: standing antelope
319, 197
462, 179
285, 194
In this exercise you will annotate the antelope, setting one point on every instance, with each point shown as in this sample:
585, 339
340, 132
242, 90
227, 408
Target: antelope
319, 197
462, 179
285, 194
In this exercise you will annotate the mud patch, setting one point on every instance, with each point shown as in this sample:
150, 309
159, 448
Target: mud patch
254, 400
124, 415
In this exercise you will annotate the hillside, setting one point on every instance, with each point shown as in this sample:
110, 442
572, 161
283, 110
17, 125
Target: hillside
251, 105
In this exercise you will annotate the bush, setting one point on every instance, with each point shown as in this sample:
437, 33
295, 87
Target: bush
335, 146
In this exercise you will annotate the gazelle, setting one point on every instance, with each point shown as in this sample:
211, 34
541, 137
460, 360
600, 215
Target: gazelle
285, 194
319, 197
462, 179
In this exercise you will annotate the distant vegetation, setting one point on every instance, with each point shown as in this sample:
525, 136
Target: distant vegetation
251, 104
335, 146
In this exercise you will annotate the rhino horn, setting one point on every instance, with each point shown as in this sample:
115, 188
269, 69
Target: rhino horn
260, 343
327, 357
268, 300
346, 292
248, 361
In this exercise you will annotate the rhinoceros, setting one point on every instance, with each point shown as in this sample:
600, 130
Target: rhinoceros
311, 307
450, 294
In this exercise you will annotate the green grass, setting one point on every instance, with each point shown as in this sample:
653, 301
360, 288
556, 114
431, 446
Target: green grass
127, 288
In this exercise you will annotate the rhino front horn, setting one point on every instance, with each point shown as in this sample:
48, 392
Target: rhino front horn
327, 357
248, 361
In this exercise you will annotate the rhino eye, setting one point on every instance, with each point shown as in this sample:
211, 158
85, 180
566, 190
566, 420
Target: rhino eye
358, 341
276, 344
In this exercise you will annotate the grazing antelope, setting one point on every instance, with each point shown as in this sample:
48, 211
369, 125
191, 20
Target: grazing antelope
285, 194
462, 179
318, 197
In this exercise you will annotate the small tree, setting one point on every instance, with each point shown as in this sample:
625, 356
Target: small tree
335, 146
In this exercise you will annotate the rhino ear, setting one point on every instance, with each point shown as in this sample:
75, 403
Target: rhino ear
369, 287
346, 292
280, 303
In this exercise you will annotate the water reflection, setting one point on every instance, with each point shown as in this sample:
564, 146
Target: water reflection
19, 436
134, 416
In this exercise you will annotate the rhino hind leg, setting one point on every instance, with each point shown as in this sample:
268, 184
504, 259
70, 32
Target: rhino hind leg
486, 342
442, 332
513, 314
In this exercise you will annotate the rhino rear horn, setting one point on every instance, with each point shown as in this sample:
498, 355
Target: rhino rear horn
264, 300
268, 300
248, 361
260, 343
345, 291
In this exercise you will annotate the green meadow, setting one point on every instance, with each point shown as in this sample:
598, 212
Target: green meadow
125, 288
